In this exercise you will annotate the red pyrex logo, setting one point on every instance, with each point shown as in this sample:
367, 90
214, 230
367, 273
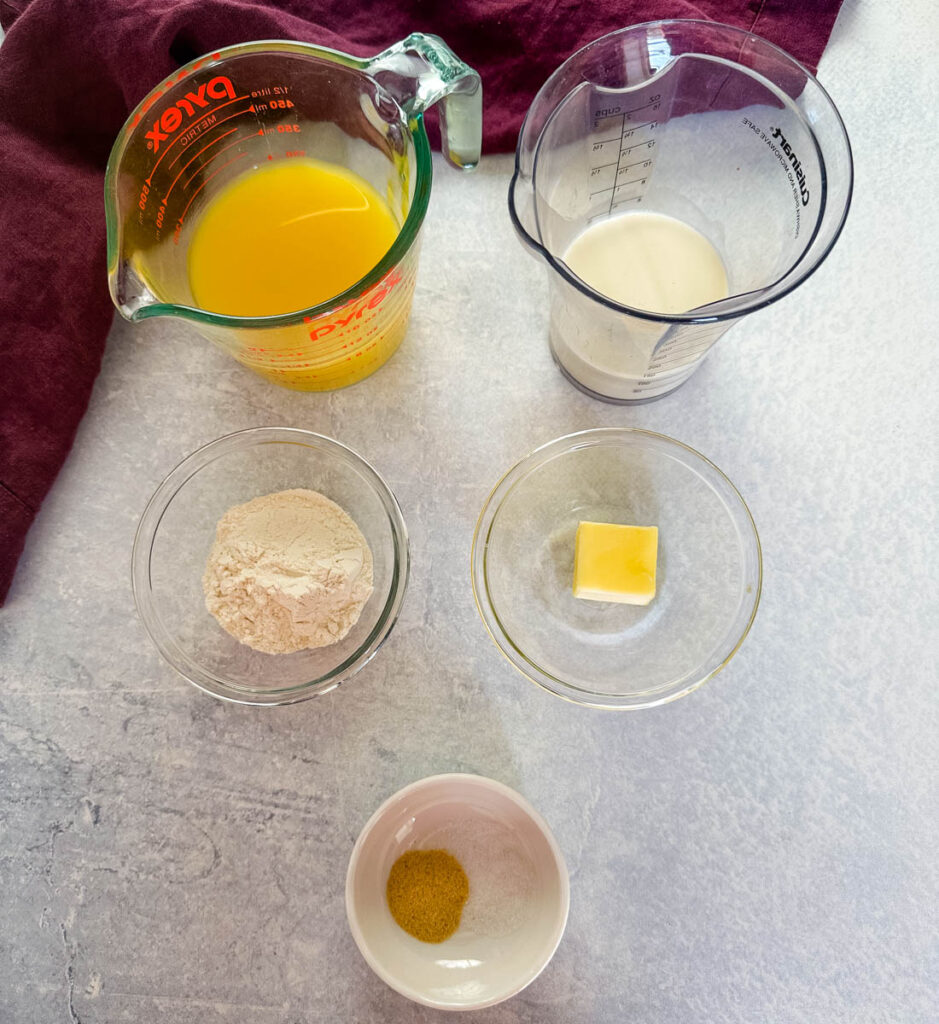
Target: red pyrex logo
172, 118
368, 301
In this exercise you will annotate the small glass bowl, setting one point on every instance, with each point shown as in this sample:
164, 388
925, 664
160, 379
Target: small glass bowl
176, 533
599, 653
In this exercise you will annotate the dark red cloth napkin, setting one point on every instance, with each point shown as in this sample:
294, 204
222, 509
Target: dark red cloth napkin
72, 70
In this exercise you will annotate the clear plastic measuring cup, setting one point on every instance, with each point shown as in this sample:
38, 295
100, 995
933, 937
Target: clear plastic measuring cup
704, 123
250, 104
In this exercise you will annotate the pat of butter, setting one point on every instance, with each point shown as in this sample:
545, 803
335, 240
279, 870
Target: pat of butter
615, 563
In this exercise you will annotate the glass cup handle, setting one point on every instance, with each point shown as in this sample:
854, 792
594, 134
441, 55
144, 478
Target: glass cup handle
421, 71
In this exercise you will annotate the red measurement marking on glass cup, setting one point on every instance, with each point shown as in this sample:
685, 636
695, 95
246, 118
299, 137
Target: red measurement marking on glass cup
215, 124
218, 153
182, 216
156, 135
182, 170
161, 209
208, 160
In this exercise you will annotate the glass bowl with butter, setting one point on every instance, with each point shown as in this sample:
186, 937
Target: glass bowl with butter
617, 568
233, 574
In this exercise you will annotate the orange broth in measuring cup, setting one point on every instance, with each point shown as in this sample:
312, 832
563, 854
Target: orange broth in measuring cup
299, 269
286, 237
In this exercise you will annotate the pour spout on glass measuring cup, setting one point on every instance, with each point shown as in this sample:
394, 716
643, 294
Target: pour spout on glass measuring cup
421, 71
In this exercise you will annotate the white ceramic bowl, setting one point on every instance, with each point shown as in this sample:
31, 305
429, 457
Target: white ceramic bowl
519, 892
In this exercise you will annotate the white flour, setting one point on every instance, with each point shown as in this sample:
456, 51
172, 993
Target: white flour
287, 572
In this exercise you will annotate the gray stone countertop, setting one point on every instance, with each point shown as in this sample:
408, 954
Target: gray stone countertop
761, 850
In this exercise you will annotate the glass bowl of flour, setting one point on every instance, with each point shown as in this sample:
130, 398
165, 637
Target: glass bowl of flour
270, 565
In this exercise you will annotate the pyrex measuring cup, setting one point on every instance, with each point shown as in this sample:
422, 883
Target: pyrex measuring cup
250, 104
707, 124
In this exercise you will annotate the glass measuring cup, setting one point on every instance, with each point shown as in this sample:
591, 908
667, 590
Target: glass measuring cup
704, 123
255, 103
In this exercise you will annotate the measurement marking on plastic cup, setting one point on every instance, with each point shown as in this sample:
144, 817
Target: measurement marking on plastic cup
676, 353
622, 184
682, 358
636, 127
618, 159
645, 164
633, 138
622, 202
663, 376
689, 336
684, 341
678, 347
654, 103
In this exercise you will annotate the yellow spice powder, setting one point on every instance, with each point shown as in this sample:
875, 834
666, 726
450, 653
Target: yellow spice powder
426, 891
